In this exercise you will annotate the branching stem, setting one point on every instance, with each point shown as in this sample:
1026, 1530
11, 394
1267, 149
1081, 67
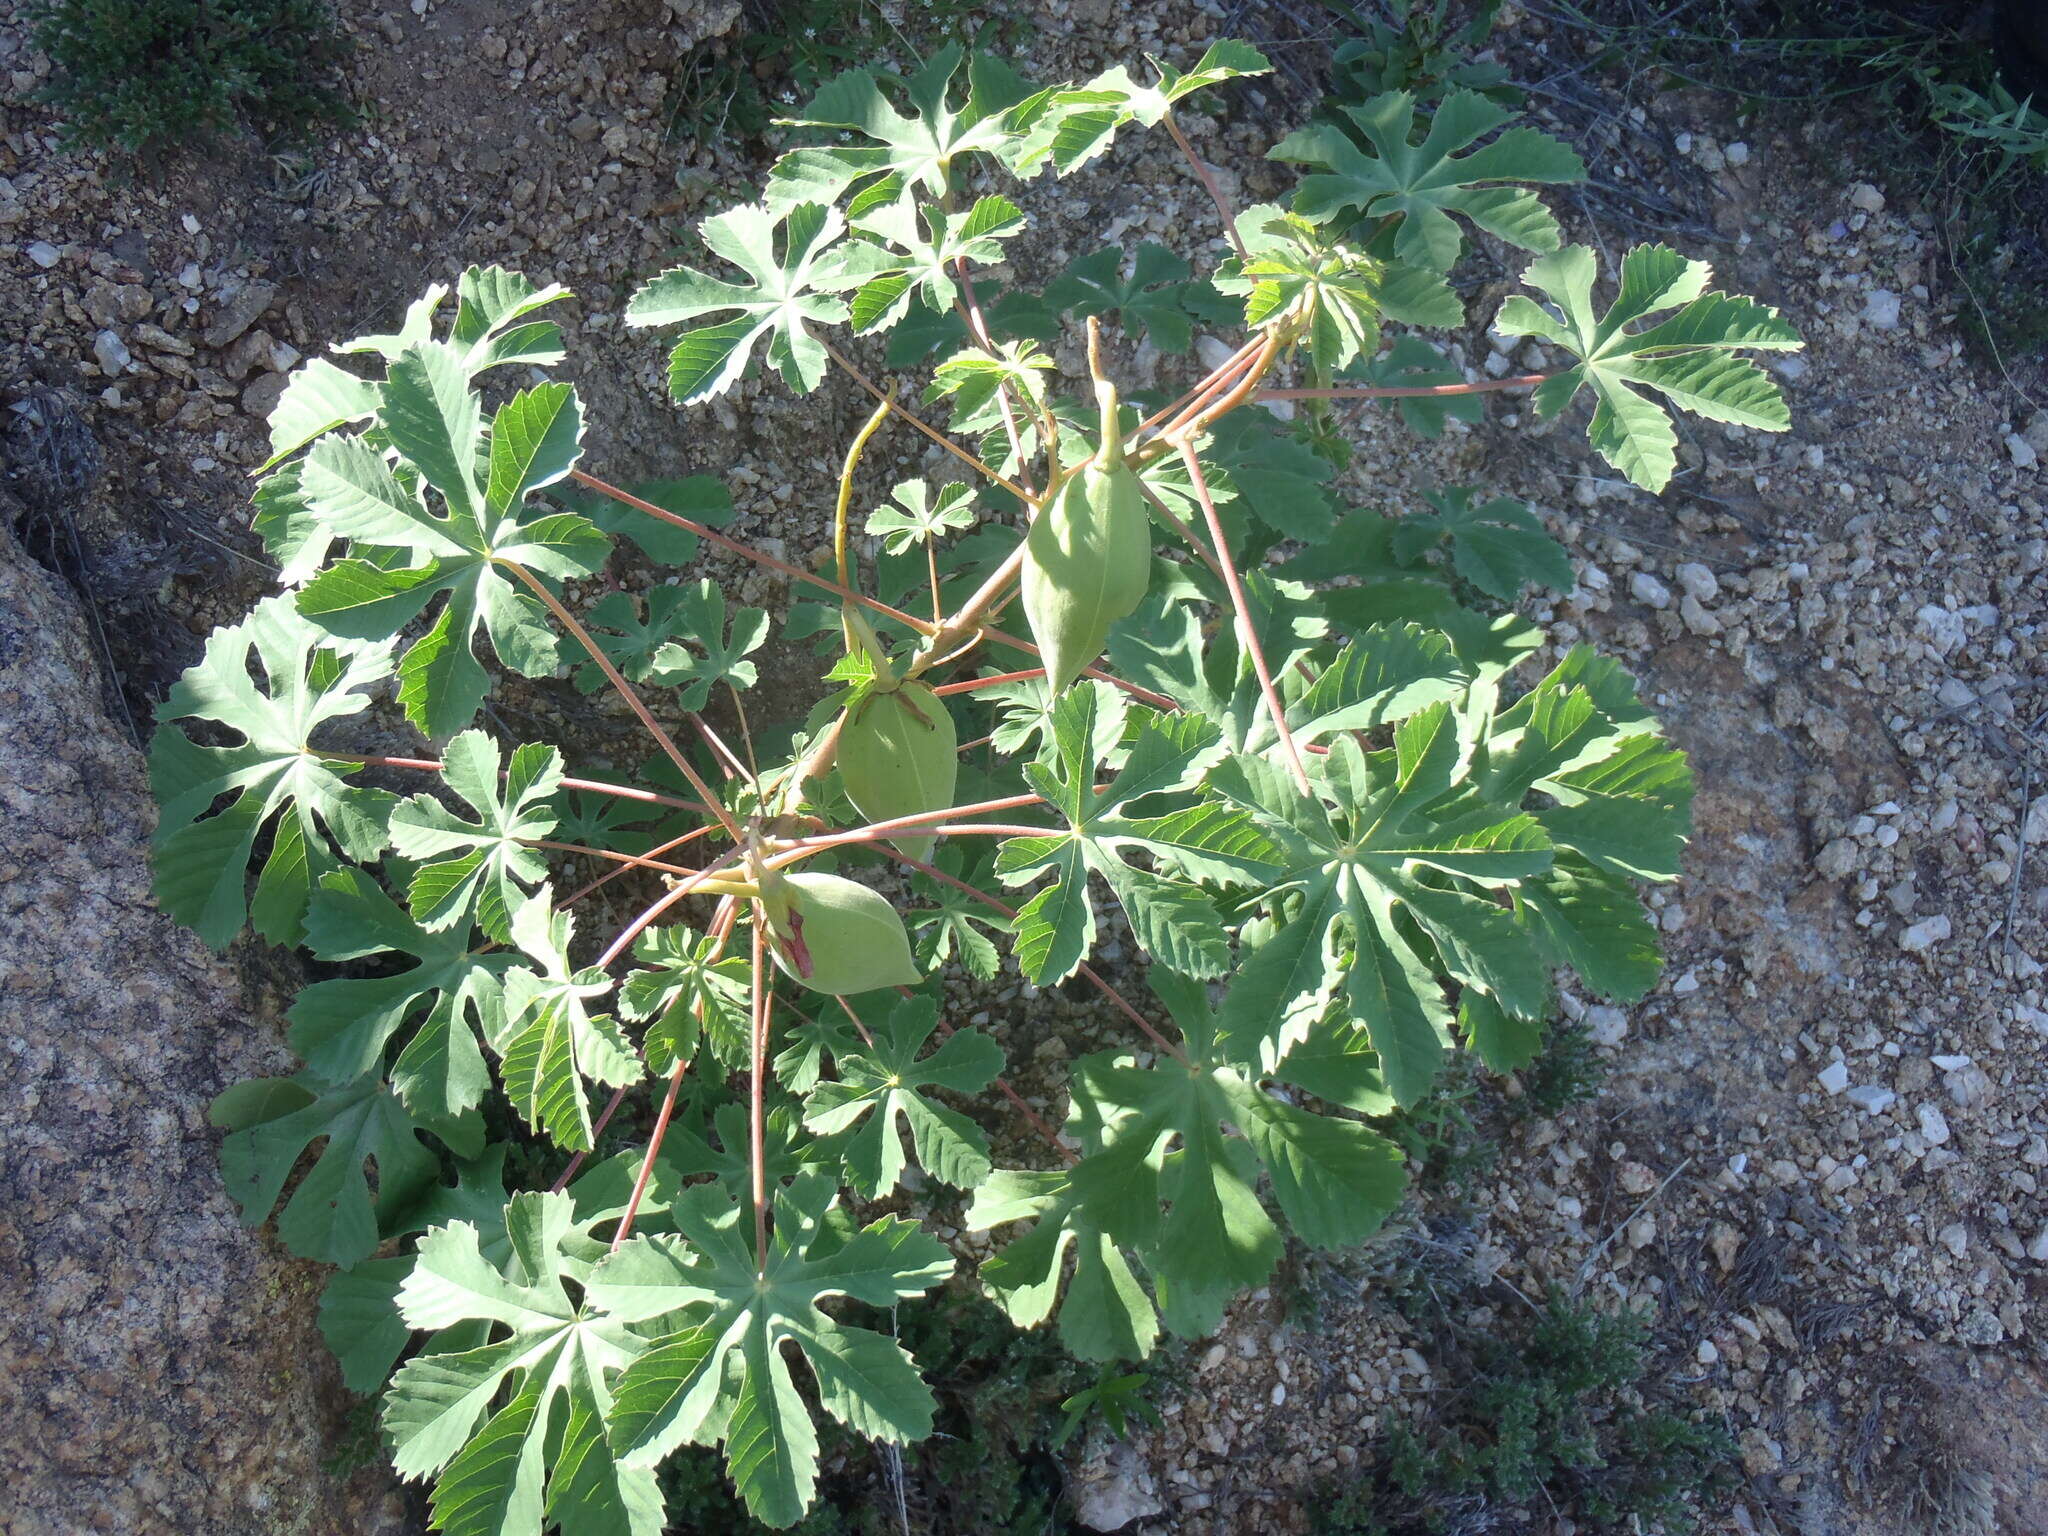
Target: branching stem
757, 1140
1405, 391
617, 679
1242, 604
853, 454
1209, 184
1114, 997
748, 552
589, 786
926, 427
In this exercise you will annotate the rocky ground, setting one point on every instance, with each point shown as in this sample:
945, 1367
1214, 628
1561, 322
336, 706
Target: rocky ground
1816, 1160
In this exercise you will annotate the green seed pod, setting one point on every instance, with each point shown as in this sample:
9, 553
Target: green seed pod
841, 937
899, 754
1087, 563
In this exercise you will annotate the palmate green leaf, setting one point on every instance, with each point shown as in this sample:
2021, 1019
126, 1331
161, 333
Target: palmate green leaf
972, 378
1385, 674
317, 398
773, 306
1616, 806
958, 929
914, 254
1620, 796
1412, 363
1171, 918
1146, 303
687, 994
1295, 274
595, 820
1071, 127
719, 1372
1167, 647
1160, 1175
548, 1040
1391, 837
1422, 185
700, 618
918, 148
276, 775
320, 397
1107, 1314
359, 1306
1688, 357
488, 302
332, 1215
1499, 546
913, 517
786, 1150
955, 927
341, 1026
1276, 477
484, 865
631, 629
359, 1310
433, 418
701, 498
878, 1096
539, 1458
1329, 294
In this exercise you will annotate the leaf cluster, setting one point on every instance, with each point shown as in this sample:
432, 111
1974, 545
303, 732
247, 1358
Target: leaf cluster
1552, 1411
1313, 806
153, 76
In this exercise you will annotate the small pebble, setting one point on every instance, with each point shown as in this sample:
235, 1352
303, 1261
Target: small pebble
1881, 310
44, 254
1933, 1124
1872, 1099
1607, 1025
1834, 1077
1923, 934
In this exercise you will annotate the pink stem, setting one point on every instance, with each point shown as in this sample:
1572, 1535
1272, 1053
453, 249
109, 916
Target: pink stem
610, 875
1003, 1087
1109, 992
918, 822
748, 552
1209, 185
1405, 391
946, 690
757, 1114
633, 860
668, 1108
625, 689
592, 786
1242, 604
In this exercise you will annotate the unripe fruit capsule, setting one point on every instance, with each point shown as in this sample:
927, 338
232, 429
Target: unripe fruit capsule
842, 937
900, 754
1087, 563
